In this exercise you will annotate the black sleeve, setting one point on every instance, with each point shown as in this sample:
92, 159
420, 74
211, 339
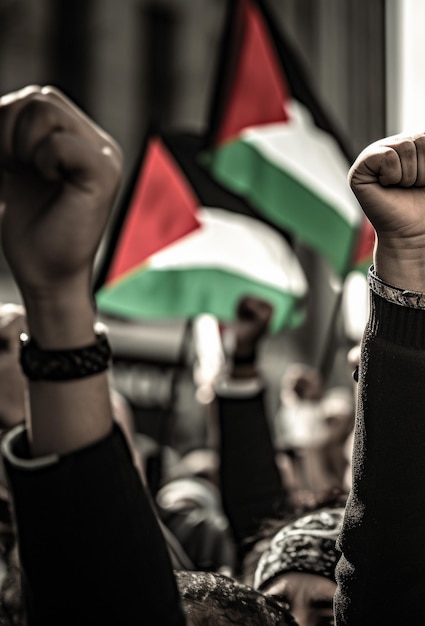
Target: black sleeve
90, 546
250, 481
381, 575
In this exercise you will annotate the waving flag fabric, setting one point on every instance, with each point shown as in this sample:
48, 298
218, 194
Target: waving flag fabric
363, 254
271, 142
163, 209
172, 256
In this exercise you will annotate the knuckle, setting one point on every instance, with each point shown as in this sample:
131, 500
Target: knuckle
116, 166
49, 90
37, 109
405, 143
11, 107
17, 97
36, 121
390, 159
420, 143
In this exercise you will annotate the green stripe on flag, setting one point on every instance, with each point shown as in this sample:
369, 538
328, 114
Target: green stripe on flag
284, 200
363, 267
153, 293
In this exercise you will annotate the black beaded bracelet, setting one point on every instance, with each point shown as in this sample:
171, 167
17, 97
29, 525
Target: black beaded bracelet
57, 365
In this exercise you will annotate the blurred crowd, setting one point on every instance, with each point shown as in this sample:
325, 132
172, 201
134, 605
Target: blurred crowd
244, 503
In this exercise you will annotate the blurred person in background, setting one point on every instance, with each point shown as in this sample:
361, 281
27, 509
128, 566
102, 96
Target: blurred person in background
298, 565
311, 427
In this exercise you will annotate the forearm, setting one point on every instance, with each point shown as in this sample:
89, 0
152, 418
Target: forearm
402, 267
90, 545
91, 548
381, 577
250, 480
61, 322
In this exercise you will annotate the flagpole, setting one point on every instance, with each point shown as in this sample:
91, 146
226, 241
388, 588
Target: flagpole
330, 346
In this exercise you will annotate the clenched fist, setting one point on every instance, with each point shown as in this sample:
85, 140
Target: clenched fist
60, 176
388, 179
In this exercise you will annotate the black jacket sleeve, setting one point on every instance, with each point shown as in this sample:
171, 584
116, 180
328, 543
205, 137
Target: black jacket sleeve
90, 546
381, 575
251, 486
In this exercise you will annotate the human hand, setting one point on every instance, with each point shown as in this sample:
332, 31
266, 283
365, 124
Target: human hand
253, 318
388, 179
252, 323
60, 177
301, 382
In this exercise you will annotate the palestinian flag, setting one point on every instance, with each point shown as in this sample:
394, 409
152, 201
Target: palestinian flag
270, 141
173, 256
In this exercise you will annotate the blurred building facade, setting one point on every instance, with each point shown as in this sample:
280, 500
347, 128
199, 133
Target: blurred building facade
125, 61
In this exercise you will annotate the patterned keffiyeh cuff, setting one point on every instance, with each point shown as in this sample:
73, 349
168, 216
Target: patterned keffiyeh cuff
396, 295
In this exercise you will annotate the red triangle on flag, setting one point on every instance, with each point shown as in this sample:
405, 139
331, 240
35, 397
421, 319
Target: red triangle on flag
259, 91
363, 254
163, 209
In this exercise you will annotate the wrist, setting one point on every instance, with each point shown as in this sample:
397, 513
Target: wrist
243, 371
401, 268
61, 321
244, 363
64, 365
